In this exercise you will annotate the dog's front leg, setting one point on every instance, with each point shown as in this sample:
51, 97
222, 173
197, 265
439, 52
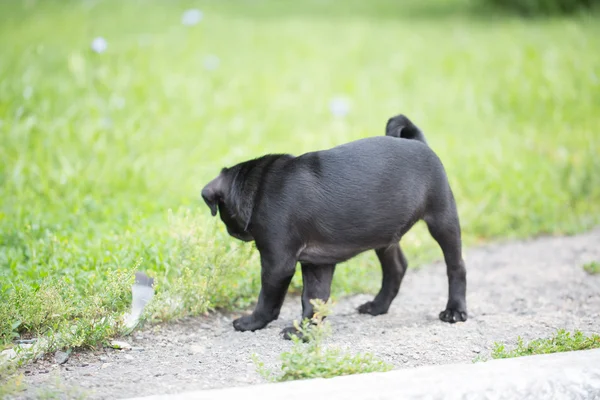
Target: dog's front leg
276, 275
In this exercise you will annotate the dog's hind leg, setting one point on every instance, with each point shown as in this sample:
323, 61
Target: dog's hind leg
444, 226
316, 284
393, 265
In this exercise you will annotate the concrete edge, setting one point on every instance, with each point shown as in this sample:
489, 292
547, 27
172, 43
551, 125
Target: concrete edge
570, 375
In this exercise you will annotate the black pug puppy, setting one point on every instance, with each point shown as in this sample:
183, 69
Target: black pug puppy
325, 207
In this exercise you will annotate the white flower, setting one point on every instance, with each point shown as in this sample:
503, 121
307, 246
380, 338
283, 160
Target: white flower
27, 92
144, 40
211, 62
106, 123
191, 17
339, 106
118, 102
99, 45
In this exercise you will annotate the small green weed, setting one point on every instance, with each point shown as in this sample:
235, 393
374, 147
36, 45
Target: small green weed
58, 390
310, 358
479, 358
10, 386
562, 341
592, 268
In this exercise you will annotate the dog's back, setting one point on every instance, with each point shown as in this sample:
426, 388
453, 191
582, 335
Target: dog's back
369, 191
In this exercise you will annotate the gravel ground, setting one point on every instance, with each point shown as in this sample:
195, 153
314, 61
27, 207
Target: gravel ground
527, 288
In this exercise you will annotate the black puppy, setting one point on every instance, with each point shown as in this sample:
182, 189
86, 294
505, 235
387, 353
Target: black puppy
325, 207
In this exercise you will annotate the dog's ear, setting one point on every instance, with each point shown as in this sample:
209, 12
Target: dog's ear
212, 193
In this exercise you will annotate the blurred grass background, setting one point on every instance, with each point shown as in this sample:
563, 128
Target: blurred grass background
104, 153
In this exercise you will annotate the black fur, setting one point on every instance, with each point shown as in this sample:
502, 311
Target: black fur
325, 207
401, 127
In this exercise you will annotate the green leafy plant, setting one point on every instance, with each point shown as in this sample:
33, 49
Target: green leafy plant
544, 7
310, 357
560, 342
592, 268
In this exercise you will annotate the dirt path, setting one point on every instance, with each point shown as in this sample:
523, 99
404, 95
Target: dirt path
528, 288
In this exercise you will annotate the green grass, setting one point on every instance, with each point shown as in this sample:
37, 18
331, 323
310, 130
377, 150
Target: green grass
592, 268
104, 155
560, 342
311, 358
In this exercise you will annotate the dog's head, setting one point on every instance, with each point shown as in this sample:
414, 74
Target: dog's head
222, 195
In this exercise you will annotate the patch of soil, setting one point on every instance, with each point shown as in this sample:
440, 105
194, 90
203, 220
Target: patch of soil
528, 288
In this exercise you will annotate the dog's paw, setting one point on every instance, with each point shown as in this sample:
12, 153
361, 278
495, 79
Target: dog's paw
372, 308
248, 323
292, 331
453, 315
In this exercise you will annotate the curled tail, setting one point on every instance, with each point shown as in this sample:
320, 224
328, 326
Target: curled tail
401, 127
